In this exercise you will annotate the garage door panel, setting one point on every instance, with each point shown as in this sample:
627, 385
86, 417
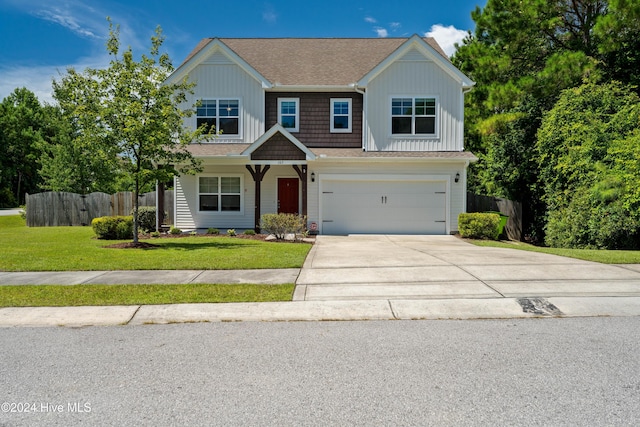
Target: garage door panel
398, 207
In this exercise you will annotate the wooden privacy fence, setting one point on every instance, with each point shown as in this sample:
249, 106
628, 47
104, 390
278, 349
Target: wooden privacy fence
60, 208
513, 229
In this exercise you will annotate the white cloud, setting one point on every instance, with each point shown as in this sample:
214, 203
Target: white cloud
370, 19
446, 37
67, 19
269, 14
85, 22
38, 78
395, 26
381, 32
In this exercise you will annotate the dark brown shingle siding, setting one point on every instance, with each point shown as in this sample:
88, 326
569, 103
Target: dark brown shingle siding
278, 148
315, 118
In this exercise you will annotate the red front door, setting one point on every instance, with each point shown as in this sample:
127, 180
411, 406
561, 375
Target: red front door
288, 195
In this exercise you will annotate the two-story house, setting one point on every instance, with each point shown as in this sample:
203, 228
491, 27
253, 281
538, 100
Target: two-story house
358, 135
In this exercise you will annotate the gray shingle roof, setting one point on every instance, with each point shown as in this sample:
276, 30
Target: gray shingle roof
310, 62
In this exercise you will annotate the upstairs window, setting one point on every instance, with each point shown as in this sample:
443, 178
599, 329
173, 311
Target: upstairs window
220, 193
413, 116
223, 115
340, 115
289, 113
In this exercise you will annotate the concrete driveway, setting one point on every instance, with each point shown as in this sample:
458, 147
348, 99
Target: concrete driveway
361, 267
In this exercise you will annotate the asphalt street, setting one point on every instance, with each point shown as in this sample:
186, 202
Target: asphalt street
577, 371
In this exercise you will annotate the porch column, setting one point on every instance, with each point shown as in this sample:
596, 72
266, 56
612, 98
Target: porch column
302, 174
257, 175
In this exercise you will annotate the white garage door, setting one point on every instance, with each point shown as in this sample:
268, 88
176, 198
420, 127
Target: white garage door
383, 207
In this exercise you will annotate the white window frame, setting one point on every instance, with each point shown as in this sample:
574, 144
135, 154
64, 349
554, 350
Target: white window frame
220, 194
413, 116
296, 128
217, 117
349, 114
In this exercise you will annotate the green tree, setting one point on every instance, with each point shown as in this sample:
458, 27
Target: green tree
22, 125
75, 159
129, 115
525, 53
589, 163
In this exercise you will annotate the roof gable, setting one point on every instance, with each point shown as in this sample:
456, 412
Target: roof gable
213, 51
416, 48
278, 144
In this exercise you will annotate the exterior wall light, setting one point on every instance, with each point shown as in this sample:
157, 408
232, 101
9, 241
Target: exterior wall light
457, 177
313, 177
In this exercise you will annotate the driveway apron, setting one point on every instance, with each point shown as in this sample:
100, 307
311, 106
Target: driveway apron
358, 267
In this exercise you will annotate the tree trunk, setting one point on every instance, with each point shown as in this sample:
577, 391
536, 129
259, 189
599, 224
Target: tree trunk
136, 203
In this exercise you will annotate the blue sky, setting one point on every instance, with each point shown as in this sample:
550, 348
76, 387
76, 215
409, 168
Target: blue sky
41, 38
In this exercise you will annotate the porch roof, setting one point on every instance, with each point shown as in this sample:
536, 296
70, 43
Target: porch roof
221, 150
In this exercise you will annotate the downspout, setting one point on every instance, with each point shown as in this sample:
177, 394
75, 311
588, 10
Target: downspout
365, 137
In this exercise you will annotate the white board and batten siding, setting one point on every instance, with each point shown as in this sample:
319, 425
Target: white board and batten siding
414, 76
187, 212
218, 77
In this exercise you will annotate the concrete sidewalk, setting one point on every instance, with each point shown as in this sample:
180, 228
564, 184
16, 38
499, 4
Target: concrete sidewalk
134, 277
370, 278
490, 308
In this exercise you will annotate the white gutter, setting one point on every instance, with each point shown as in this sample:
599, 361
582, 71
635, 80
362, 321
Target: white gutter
279, 87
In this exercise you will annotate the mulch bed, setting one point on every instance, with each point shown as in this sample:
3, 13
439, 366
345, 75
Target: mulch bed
131, 245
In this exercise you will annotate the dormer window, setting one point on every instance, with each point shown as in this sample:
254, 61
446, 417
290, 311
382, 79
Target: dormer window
289, 113
221, 114
414, 116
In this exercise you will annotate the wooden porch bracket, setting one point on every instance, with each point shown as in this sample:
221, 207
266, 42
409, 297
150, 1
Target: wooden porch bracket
257, 175
302, 174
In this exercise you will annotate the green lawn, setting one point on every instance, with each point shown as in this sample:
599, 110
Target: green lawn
77, 295
25, 248
597, 255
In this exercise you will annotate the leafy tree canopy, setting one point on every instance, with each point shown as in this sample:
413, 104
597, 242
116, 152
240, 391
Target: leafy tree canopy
23, 127
522, 55
588, 149
128, 118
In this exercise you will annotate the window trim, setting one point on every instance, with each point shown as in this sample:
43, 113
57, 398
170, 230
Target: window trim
296, 128
413, 133
218, 117
349, 102
220, 193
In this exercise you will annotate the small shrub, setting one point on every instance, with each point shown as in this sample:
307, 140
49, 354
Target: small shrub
282, 224
113, 227
155, 234
193, 233
213, 231
231, 232
479, 225
249, 232
124, 230
174, 230
146, 218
